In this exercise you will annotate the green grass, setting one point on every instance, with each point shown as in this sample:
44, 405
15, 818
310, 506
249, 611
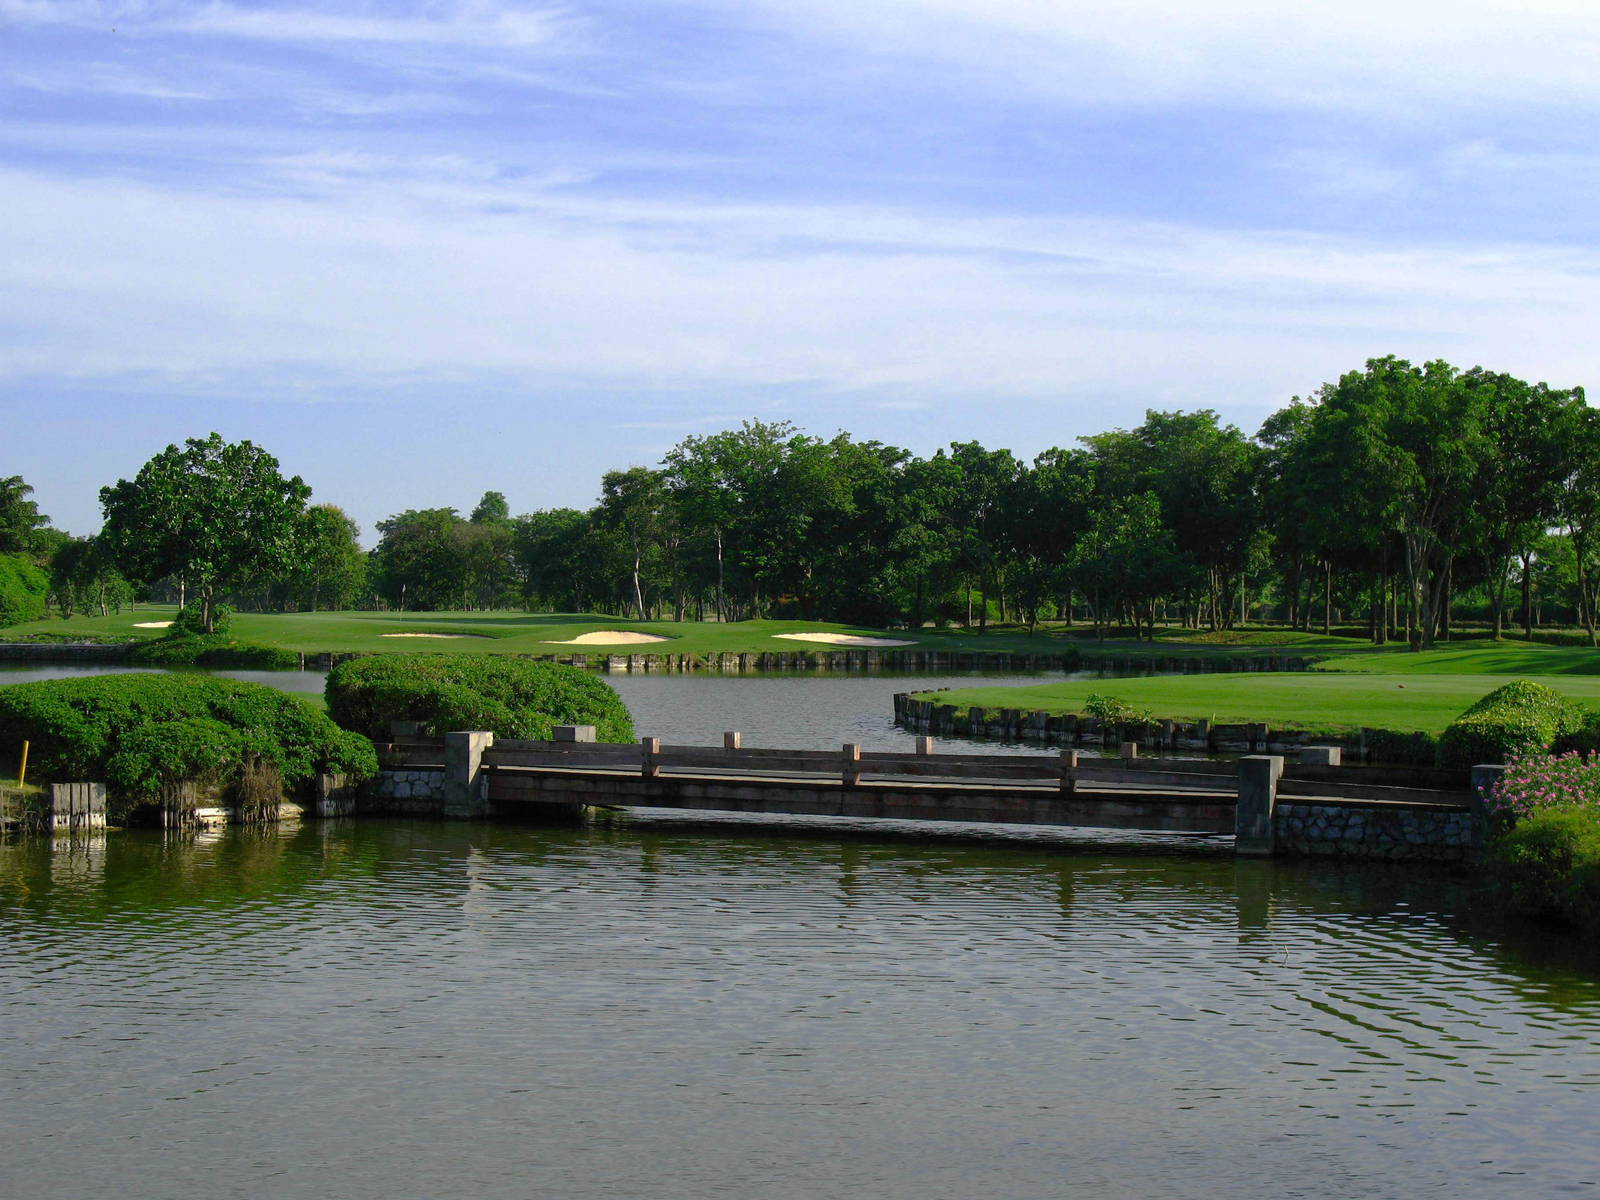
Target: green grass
1526, 659
542, 633
1318, 702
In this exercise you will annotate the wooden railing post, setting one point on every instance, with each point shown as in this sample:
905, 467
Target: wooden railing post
1069, 764
730, 740
924, 745
650, 758
852, 764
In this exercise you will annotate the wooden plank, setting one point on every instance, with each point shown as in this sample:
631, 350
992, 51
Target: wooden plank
939, 768
1187, 766
616, 749
1139, 778
825, 766
1428, 778
749, 755
899, 756
1288, 789
495, 757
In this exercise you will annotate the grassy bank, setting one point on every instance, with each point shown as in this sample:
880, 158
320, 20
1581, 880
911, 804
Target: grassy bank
1316, 701
551, 633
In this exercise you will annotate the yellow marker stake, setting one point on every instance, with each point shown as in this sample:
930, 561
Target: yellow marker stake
22, 771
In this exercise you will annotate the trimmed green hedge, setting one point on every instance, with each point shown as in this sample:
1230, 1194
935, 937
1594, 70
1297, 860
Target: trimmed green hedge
213, 651
24, 588
1549, 865
1520, 718
513, 697
1413, 748
140, 731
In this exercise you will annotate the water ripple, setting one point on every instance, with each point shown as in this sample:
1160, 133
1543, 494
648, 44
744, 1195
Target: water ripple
378, 1009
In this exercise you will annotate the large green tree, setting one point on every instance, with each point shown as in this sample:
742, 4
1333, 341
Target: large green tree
213, 514
21, 522
633, 508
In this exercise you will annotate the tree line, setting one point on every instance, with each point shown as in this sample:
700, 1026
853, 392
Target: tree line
1398, 498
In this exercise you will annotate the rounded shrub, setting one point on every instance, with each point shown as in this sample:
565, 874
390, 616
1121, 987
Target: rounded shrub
23, 590
1520, 718
199, 650
1549, 865
138, 731
191, 621
512, 697
163, 752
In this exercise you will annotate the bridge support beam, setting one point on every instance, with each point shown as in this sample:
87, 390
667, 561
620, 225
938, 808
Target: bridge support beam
1258, 797
466, 792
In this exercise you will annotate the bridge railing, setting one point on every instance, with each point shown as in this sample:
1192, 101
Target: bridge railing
851, 765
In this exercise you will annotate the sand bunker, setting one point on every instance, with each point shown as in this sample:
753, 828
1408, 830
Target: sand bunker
611, 637
842, 639
435, 635
152, 624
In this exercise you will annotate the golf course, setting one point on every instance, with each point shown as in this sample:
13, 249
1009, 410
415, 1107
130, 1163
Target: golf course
1350, 684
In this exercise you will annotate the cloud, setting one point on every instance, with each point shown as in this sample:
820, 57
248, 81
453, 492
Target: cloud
476, 25
371, 286
1369, 54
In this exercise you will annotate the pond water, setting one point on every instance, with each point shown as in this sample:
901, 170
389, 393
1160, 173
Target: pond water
784, 709
402, 1009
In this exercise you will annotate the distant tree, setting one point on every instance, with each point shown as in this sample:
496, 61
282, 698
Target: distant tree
978, 522
491, 510
83, 578
1047, 509
20, 518
1125, 559
215, 514
553, 550
24, 589
331, 567
633, 506
418, 563
1207, 477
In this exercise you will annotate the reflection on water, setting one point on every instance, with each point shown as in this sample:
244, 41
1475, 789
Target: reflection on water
375, 1009
793, 710
779, 709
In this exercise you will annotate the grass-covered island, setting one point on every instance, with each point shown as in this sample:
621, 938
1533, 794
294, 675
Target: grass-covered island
595, 634
508, 697
139, 733
1348, 689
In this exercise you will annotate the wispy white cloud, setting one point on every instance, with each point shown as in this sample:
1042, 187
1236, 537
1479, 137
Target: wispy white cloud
1370, 54
374, 284
470, 25
464, 24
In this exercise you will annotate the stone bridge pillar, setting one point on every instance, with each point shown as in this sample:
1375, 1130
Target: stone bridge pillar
466, 790
1258, 797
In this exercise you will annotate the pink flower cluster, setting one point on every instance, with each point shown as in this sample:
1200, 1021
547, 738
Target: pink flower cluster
1534, 782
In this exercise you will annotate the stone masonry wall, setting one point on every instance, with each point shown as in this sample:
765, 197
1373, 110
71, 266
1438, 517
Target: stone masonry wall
407, 790
1370, 832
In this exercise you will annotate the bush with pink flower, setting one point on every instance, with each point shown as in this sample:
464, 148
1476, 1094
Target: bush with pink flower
1547, 851
1536, 782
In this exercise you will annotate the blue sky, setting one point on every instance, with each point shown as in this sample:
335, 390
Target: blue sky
423, 250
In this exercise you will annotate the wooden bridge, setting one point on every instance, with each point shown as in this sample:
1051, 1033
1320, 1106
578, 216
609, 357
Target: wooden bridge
1247, 798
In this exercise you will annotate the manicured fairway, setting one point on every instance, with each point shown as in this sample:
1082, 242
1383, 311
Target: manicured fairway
1299, 700
545, 633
